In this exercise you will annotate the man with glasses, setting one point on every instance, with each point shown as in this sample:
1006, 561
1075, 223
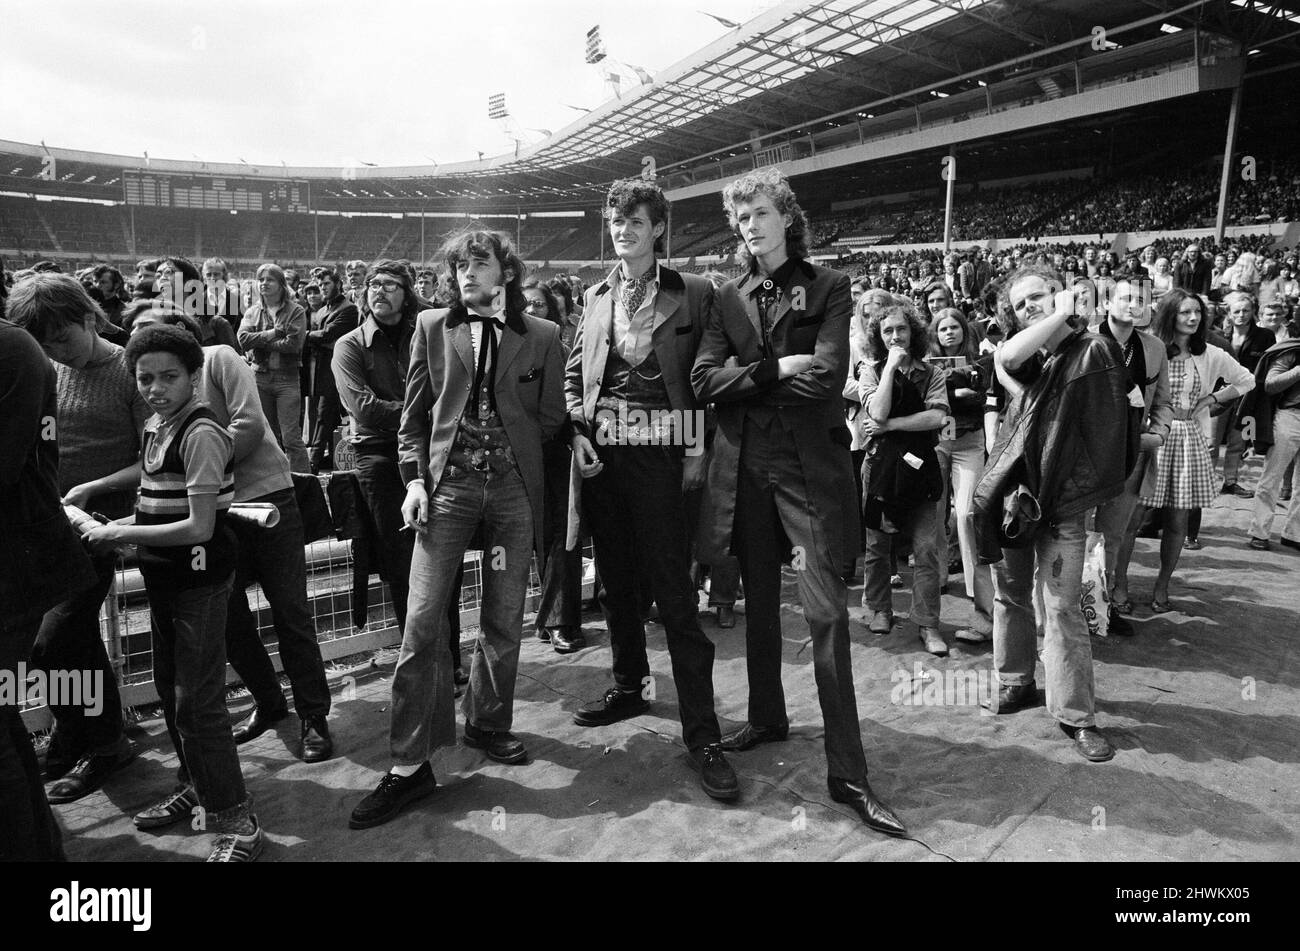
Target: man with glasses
483, 391
370, 367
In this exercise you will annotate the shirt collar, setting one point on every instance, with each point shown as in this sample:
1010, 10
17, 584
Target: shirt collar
652, 276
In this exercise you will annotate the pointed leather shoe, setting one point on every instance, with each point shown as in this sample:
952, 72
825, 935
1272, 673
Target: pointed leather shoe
257, 723
864, 802
566, 640
1091, 743
750, 736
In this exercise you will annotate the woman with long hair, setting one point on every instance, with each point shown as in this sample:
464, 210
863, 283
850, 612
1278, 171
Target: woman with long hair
904, 404
1184, 472
961, 457
272, 333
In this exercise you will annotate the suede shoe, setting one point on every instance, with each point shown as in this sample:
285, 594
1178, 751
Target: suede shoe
717, 777
613, 706
750, 736
882, 622
1012, 698
257, 723
316, 743
499, 745
934, 641
392, 795
1090, 742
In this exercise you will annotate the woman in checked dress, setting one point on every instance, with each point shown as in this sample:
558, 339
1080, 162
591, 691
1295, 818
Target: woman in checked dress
1183, 476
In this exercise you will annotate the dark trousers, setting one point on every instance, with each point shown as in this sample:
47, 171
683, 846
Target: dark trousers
276, 559
561, 600
189, 671
324, 412
637, 516
69, 639
381, 487
772, 513
28, 832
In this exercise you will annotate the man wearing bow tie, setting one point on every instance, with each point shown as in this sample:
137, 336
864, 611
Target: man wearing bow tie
780, 479
484, 390
638, 445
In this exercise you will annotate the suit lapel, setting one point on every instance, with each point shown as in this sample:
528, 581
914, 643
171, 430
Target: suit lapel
511, 343
595, 344
746, 290
464, 346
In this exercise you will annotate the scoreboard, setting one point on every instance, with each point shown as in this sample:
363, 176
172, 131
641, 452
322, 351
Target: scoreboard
158, 190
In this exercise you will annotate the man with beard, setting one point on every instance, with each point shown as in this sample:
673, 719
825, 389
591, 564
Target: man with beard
484, 390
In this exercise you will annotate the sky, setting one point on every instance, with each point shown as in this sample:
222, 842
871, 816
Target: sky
322, 83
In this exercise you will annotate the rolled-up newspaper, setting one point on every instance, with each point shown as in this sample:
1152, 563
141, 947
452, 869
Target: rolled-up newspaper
261, 514
82, 521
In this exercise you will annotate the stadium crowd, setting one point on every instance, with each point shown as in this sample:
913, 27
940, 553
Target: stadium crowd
975, 413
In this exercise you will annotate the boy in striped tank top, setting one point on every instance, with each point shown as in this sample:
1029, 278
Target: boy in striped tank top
187, 558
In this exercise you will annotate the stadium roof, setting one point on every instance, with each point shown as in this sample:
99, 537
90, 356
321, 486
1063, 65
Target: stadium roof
780, 73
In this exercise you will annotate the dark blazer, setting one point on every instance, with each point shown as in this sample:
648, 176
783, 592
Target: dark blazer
1258, 339
810, 402
340, 317
682, 305
529, 394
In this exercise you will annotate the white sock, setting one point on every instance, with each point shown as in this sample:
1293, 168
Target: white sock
405, 771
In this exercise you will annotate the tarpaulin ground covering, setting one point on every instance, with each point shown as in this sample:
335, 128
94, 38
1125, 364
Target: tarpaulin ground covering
1201, 705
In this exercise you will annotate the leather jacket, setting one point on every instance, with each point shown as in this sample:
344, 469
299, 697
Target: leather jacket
1066, 442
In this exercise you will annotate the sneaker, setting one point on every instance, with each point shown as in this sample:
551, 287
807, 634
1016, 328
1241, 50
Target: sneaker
613, 706
232, 847
179, 805
391, 796
968, 635
934, 642
895, 581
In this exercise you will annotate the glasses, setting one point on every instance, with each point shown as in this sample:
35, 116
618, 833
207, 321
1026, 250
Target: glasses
536, 305
386, 286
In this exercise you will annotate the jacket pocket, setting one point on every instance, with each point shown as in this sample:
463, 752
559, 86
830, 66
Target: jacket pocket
685, 330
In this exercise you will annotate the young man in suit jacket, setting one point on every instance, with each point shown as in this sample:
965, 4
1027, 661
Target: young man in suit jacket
638, 444
483, 392
781, 476
1129, 309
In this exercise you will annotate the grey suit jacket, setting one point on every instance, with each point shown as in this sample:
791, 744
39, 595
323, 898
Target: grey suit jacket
529, 395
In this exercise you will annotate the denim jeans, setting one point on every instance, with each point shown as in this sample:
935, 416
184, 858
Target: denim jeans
1051, 568
28, 831
69, 639
276, 559
189, 665
423, 715
923, 529
382, 488
637, 516
281, 394
962, 462
1285, 448
772, 507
